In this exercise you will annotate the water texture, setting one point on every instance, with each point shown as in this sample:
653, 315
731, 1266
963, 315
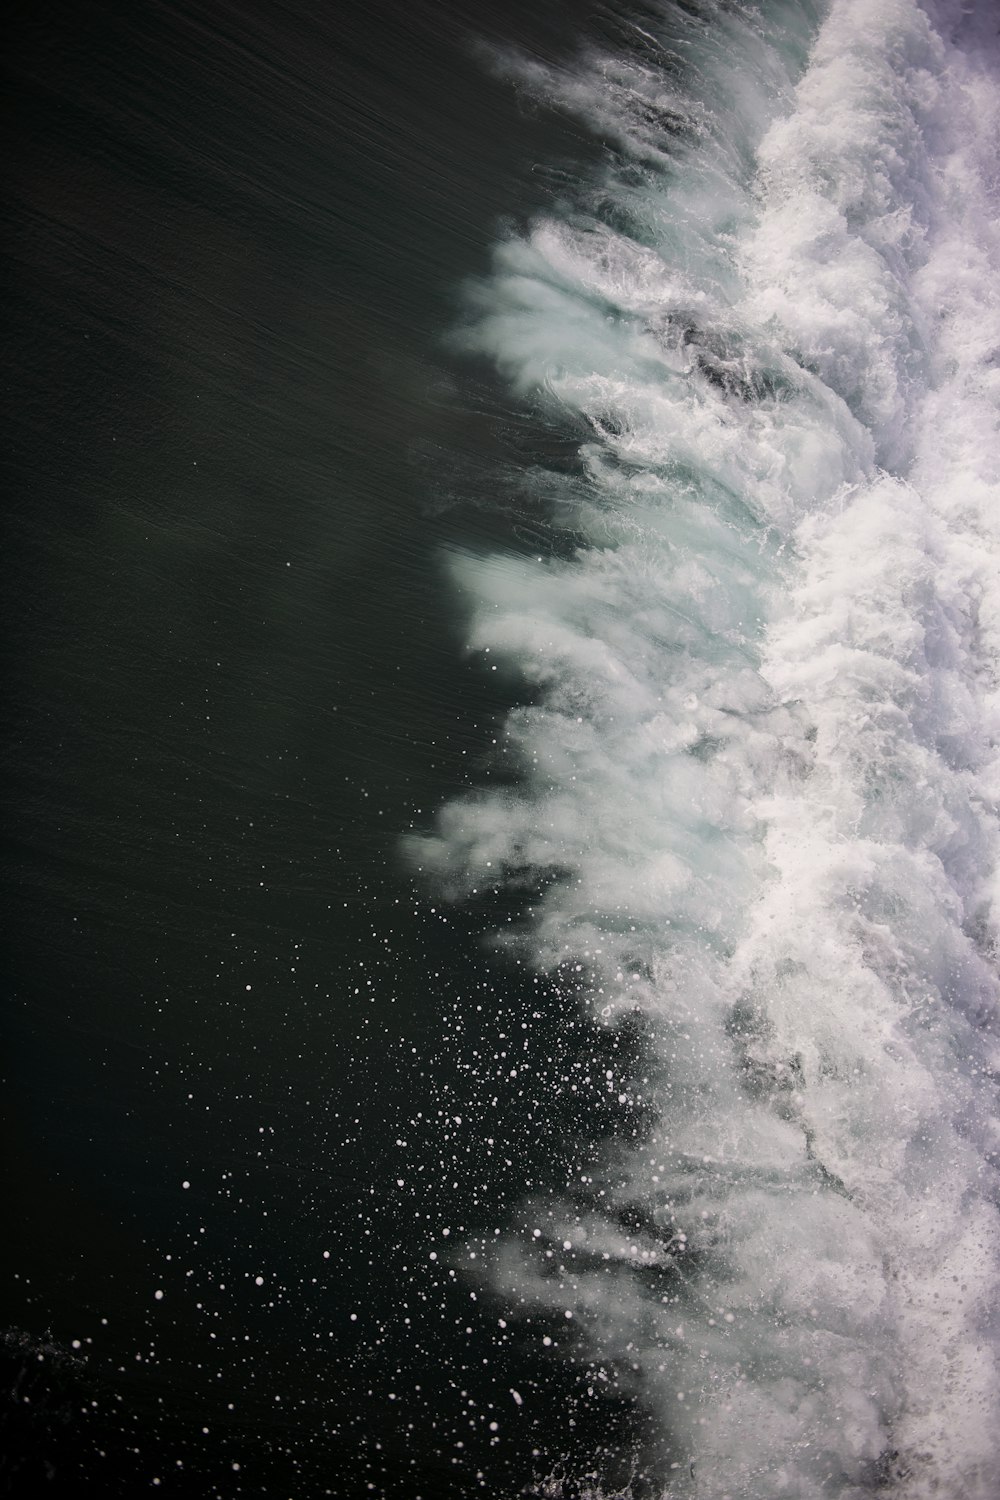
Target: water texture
758, 761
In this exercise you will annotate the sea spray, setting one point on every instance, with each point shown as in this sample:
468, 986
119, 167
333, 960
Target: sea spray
759, 777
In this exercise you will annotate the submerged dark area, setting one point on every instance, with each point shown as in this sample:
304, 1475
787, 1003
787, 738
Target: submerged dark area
233, 237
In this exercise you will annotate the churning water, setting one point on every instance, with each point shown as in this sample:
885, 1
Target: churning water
758, 761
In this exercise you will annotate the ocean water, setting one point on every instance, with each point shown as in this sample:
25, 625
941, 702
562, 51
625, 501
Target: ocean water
503, 751
755, 804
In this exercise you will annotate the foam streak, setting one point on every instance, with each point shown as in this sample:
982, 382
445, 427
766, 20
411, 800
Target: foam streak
766, 742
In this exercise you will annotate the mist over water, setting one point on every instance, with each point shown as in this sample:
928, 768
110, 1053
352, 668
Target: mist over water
754, 816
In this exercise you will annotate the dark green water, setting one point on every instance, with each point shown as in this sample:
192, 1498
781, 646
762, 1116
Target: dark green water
234, 236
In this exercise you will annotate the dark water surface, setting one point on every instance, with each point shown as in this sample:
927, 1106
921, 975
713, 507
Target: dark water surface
233, 238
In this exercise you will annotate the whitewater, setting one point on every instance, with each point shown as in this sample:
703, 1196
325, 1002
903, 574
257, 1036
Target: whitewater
756, 811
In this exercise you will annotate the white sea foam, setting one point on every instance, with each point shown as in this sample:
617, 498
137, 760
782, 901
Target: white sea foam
765, 752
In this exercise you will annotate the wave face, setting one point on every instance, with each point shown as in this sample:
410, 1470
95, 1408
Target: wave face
759, 772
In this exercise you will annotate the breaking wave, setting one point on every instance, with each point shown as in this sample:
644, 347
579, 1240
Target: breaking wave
760, 753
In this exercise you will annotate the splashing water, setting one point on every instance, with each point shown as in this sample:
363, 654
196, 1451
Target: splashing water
761, 769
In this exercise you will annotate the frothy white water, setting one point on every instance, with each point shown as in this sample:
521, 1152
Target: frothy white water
765, 760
